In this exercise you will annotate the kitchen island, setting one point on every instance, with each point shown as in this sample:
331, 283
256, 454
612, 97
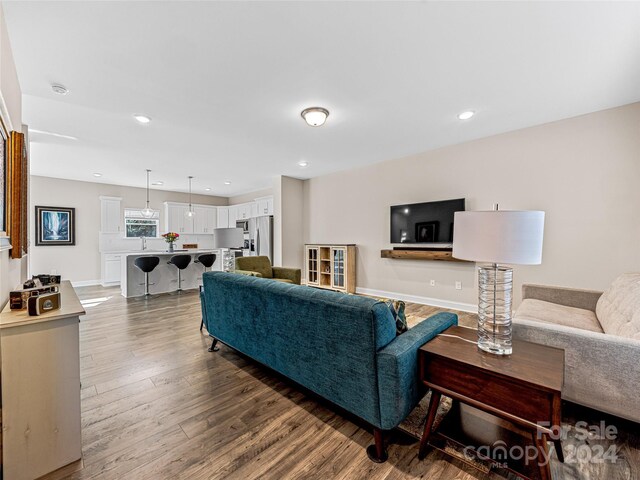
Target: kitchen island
164, 276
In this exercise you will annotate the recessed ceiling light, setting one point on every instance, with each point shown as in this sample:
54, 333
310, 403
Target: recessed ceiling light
227, 182
158, 183
59, 89
303, 163
142, 118
97, 174
315, 116
207, 189
466, 115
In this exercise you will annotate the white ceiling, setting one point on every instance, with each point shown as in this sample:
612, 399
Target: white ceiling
225, 81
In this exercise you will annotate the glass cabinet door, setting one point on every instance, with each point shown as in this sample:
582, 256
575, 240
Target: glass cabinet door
312, 265
338, 265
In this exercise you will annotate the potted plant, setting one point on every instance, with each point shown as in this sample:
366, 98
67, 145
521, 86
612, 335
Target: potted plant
170, 238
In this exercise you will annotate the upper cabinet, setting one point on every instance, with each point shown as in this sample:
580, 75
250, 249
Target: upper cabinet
244, 211
203, 222
223, 217
110, 214
205, 219
227, 216
264, 206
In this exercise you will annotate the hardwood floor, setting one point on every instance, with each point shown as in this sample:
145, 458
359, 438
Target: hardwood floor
157, 405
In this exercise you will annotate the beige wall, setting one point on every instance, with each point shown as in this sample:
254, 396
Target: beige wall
584, 172
250, 197
288, 222
11, 271
82, 261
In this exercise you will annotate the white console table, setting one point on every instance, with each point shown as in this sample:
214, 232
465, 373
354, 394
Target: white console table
40, 388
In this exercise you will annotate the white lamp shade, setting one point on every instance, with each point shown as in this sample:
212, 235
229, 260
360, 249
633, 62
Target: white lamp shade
228, 238
499, 236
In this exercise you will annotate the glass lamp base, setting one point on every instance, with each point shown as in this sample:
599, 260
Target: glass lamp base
228, 261
495, 285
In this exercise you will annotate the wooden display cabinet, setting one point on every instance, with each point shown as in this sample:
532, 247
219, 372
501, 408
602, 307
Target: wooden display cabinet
331, 266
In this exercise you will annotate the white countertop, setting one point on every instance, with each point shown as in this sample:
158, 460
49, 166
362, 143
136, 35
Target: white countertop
162, 252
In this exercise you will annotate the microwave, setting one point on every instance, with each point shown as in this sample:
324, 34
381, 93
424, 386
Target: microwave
243, 224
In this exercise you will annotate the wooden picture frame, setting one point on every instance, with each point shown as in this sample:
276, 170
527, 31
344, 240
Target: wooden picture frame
17, 199
55, 226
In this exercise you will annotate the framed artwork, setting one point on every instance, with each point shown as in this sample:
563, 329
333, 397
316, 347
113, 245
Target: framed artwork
55, 226
427, 232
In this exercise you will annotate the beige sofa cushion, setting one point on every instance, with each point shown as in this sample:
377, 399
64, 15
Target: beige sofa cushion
618, 308
547, 312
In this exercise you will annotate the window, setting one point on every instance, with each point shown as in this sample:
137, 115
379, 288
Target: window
135, 225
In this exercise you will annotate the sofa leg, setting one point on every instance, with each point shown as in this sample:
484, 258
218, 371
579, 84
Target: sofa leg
213, 347
378, 451
201, 324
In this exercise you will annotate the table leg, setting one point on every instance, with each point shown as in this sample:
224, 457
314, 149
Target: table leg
558, 444
540, 441
434, 403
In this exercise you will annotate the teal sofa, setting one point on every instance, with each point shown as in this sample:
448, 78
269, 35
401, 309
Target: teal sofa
342, 347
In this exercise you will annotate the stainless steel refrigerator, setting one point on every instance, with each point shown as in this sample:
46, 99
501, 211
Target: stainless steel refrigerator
260, 230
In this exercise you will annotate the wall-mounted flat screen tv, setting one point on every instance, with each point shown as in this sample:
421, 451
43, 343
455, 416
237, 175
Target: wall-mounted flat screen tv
427, 224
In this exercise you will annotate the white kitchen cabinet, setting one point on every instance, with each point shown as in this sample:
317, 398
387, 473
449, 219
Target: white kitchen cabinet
234, 215
205, 219
244, 211
264, 206
223, 217
111, 265
176, 219
110, 214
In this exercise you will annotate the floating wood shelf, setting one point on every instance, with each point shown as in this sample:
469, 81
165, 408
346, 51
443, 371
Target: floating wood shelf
438, 255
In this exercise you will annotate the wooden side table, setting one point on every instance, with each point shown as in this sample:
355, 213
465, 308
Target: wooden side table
523, 388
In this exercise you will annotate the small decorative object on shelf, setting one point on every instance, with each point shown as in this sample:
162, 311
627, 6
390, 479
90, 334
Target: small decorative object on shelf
170, 238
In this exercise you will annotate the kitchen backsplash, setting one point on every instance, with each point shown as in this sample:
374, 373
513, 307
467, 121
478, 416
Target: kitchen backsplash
114, 242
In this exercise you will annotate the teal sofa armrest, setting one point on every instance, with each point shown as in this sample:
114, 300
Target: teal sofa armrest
247, 272
399, 387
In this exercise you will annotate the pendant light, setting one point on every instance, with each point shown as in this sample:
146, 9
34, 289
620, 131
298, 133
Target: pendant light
190, 212
146, 211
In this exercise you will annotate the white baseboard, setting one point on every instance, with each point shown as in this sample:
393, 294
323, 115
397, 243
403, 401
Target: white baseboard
434, 302
85, 283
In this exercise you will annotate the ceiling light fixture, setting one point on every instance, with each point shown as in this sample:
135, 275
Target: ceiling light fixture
208, 189
315, 116
146, 211
97, 174
303, 163
142, 118
227, 182
190, 212
466, 115
158, 183
59, 89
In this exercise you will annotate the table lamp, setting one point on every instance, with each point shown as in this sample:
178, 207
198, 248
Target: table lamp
228, 239
497, 237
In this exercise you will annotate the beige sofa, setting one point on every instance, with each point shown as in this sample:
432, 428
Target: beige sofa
600, 333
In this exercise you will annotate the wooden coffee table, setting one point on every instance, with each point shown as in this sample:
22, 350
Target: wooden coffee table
522, 389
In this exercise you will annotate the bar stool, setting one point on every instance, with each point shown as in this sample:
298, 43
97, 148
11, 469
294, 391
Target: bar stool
146, 264
207, 260
181, 262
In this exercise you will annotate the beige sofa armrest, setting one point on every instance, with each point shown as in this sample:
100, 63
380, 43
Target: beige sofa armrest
570, 297
247, 272
601, 370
